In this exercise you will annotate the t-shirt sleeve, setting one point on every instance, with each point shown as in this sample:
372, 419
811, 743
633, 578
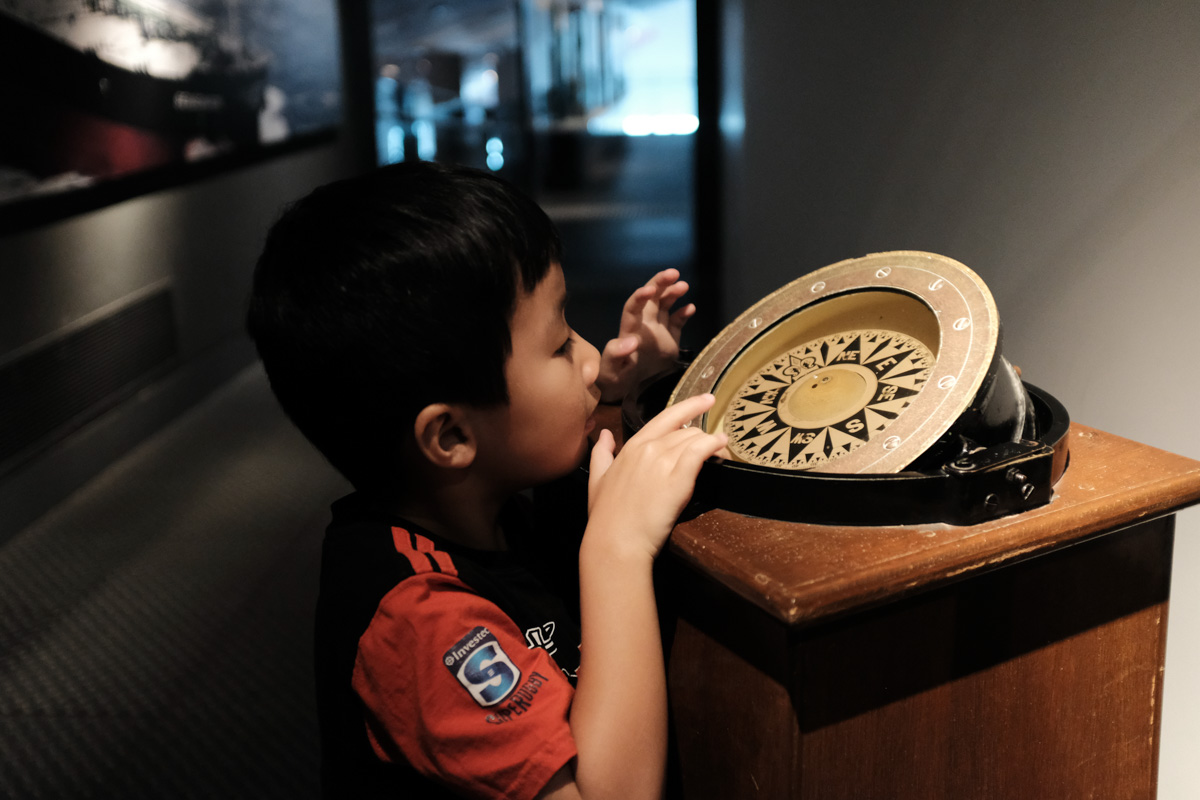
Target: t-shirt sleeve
449, 686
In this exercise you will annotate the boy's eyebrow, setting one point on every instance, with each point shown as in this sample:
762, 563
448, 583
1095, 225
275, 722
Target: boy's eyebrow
562, 304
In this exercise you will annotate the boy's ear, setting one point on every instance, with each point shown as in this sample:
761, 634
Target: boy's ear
445, 436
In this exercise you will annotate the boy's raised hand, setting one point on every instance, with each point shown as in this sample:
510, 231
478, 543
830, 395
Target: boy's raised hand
638, 494
648, 339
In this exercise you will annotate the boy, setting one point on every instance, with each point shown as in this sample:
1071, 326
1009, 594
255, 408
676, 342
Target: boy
411, 322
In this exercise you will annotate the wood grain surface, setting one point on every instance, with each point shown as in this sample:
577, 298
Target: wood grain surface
801, 573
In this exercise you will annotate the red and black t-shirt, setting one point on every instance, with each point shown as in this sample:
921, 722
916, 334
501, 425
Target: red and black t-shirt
441, 671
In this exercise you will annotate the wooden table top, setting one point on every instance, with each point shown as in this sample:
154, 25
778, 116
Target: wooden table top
802, 573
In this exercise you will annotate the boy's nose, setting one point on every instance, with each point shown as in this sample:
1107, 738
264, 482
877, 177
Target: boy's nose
590, 360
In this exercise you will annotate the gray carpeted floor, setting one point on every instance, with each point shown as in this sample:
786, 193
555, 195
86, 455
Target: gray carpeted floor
155, 628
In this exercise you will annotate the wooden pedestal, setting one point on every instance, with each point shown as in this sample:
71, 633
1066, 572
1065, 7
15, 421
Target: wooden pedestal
1020, 658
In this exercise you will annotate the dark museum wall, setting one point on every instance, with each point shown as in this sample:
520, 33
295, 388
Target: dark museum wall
1052, 147
196, 243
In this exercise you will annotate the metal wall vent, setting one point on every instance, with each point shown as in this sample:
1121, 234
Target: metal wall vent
57, 386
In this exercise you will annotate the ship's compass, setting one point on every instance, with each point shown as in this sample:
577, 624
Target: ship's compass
885, 365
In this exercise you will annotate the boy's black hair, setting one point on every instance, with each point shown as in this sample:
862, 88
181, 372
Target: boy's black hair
380, 294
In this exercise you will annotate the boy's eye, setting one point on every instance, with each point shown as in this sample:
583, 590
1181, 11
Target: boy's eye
565, 347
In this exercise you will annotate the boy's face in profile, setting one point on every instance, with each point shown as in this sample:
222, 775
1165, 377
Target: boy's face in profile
541, 434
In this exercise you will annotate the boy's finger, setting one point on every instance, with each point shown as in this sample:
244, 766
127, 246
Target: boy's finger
663, 278
703, 447
621, 346
685, 439
696, 451
675, 416
601, 459
669, 295
681, 316
640, 295
631, 314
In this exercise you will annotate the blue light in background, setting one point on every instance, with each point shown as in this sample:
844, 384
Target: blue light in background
659, 124
495, 153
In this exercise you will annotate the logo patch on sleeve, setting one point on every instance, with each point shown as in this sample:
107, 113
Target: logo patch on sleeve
482, 667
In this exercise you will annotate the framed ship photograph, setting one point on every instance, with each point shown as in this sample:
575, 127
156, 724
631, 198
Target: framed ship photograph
106, 99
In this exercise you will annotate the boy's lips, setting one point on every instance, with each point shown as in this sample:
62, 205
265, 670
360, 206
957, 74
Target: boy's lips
590, 424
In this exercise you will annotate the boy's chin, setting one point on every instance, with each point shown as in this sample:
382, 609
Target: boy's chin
583, 455
585, 451
568, 467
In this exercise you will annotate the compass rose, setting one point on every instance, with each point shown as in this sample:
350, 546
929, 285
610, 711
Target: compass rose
825, 398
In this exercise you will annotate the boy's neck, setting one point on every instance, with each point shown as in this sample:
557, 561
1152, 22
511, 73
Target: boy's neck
459, 513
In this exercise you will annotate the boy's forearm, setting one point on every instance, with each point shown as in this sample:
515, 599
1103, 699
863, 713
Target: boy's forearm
619, 716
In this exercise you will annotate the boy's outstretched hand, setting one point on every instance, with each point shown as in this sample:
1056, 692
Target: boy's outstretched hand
639, 494
619, 714
648, 339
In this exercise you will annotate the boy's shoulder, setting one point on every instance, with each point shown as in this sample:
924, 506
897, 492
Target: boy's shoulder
363, 526
369, 551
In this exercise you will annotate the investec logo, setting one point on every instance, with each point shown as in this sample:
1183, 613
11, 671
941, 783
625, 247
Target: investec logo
482, 667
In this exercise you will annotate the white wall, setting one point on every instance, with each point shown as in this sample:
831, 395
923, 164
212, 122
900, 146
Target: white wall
1054, 147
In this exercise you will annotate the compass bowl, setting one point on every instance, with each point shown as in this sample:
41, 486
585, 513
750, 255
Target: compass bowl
872, 391
862, 367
